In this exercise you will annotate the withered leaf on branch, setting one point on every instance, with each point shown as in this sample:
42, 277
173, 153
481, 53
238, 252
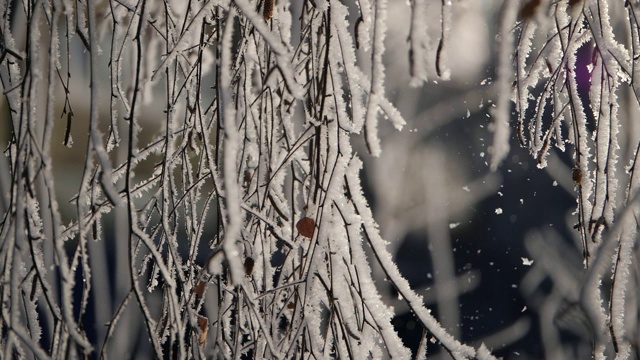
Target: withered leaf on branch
574, 2
203, 324
267, 11
306, 226
248, 266
529, 9
198, 291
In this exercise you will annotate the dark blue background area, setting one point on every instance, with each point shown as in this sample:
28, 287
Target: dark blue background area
490, 244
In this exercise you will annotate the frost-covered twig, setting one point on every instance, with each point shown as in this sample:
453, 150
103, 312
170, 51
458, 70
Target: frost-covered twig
239, 119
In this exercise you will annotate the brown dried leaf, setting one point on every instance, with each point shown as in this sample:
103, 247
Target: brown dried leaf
199, 290
529, 9
248, 266
576, 175
267, 11
306, 226
203, 324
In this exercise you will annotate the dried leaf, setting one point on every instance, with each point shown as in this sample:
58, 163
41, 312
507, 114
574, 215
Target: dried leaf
248, 266
267, 11
529, 9
203, 324
199, 290
576, 175
306, 226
